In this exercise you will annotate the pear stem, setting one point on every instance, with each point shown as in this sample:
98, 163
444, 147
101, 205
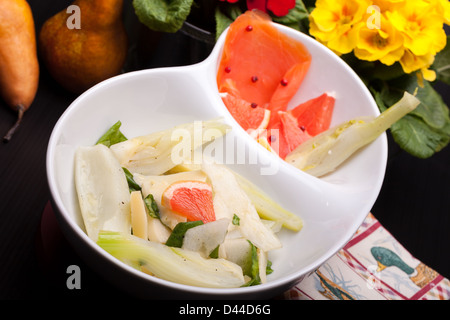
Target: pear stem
20, 111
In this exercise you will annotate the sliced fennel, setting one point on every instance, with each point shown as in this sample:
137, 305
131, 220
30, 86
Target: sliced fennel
121, 184
158, 152
267, 208
230, 199
262, 265
237, 250
155, 185
206, 237
172, 264
102, 191
177, 235
323, 153
157, 231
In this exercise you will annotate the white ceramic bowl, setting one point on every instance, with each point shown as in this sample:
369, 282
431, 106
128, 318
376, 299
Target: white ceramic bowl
332, 208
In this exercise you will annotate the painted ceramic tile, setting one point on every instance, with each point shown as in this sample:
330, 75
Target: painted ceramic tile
372, 266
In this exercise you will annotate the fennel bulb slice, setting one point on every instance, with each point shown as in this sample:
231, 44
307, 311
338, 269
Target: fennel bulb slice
172, 264
156, 185
157, 231
102, 191
239, 251
158, 152
267, 208
323, 153
206, 237
231, 200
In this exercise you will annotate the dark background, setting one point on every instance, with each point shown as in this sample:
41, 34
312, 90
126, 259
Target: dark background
413, 204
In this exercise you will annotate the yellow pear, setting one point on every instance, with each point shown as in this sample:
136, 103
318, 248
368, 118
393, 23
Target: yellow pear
84, 44
19, 67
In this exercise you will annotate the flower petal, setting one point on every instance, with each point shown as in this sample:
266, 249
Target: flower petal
257, 4
280, 7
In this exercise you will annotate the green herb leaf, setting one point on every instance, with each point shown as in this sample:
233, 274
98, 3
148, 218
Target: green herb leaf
236, 220
112, 136
253, 272
177, 235
132, 185
269, 269
152, 206
163, 15
215, 253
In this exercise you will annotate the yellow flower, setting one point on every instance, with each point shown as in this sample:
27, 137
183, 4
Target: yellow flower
382, 42
409, 32
445, 9
336, 23
384, 5
421, 26
411, 62
442, 7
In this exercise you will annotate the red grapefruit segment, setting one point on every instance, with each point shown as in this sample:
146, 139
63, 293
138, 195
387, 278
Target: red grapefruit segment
315, 114
286, 135
192, 199
249, 115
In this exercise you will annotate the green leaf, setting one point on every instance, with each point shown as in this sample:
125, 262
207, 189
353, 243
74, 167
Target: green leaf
253, 271
152, 206
424, 131
236, 220
269, 269
112, 136
433, 111
384, 72
177, 235
215, 253
163, 15
414, 136
222, 22
441, 64
132, 185
225, 16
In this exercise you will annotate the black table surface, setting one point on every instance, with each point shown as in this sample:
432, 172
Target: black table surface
413, 204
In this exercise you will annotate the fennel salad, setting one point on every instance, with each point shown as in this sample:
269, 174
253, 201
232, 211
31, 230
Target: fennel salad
199, 224
194, 224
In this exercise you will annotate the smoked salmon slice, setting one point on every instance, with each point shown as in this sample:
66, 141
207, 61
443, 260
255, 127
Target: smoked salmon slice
260, 64
261, 69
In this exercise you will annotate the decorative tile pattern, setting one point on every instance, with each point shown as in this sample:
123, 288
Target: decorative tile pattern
373, 265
